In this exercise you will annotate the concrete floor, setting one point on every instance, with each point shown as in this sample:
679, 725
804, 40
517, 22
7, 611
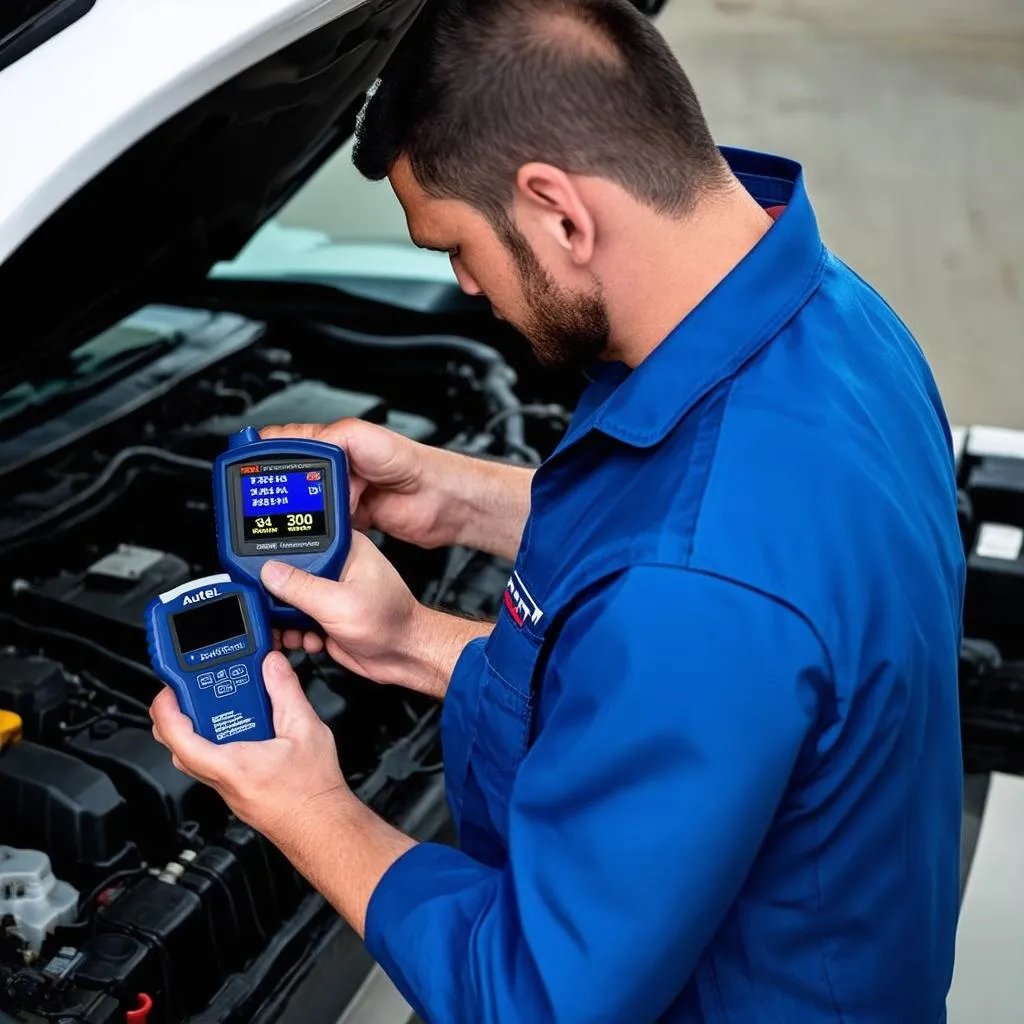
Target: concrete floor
909, 118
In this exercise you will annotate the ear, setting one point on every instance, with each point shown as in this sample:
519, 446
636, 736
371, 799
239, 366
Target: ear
547, 199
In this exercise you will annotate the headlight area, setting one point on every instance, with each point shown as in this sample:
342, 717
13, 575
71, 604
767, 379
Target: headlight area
125, 886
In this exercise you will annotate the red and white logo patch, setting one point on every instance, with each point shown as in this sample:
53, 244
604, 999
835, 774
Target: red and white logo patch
520, 604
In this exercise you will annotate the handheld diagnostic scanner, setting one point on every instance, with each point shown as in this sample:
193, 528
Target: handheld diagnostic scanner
286, 500
207, 641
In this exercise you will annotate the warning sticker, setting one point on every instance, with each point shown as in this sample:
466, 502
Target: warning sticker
231, 723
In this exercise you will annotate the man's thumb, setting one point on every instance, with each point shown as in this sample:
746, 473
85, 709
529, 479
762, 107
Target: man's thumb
310, 594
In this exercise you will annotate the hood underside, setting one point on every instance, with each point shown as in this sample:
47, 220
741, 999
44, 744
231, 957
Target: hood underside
192, 191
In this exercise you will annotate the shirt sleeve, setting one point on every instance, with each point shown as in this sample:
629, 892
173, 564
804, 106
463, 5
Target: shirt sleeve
681, 703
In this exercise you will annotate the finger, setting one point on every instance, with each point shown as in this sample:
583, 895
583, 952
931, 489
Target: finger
315, 596
164, 697
291, 707
199, 757
310, 431
291, 639
312, 643
340, 432
356, 486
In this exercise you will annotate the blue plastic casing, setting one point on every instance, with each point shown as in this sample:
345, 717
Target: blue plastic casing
217, 677
253, 471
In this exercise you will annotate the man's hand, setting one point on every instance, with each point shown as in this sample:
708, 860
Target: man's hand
373, 624
426, 496
394, 481
291, 789
273, 785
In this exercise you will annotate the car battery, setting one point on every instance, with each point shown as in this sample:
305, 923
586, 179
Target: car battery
995, 487
117, 963
217, 876
991, 470
273, 888
994, 602
171, 921
965, 518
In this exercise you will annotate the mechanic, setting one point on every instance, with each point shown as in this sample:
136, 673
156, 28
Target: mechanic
706, 765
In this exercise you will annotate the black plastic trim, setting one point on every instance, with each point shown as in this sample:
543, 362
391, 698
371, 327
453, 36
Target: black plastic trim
54, 18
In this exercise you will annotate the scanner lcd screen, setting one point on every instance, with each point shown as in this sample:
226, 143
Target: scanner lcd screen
283, 504
209, 623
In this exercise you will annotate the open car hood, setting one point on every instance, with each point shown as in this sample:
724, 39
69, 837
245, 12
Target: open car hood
145, 142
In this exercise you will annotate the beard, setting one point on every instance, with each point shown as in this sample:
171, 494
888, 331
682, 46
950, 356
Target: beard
564, 329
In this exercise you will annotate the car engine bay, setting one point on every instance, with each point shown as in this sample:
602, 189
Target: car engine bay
127, 891
125, 886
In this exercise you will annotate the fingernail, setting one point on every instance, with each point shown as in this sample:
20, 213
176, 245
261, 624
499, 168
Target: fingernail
272, 663
274, 574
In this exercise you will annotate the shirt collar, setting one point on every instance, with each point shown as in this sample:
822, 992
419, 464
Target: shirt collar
733, 323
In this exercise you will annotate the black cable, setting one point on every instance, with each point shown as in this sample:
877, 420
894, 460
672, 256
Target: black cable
108, 691
545, 412
223, 391
62, 634
102, 714
496, 379
124, 875
74, 730
85, 496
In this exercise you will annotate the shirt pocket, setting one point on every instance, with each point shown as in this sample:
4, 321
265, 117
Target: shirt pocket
501, 738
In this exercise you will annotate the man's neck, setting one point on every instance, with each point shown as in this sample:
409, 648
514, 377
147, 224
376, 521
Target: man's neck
668, 266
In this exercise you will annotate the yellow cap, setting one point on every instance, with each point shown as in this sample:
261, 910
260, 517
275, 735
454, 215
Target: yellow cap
10, 728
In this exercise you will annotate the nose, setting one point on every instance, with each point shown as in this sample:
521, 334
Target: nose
466, 280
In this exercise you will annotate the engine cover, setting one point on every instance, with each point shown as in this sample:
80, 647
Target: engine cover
106, 601
54, 802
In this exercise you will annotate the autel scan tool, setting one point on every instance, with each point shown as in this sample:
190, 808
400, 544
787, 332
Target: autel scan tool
286, 500
207, 641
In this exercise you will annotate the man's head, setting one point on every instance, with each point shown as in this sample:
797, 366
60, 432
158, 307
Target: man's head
520, 134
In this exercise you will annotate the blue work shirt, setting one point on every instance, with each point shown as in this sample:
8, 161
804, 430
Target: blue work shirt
707, 767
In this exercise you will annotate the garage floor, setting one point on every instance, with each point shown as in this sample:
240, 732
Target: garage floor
909, 117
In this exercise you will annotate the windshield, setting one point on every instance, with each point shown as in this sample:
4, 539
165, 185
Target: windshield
338, 225
95, 363
337, 228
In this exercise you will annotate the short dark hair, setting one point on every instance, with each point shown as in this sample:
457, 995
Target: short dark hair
480, 87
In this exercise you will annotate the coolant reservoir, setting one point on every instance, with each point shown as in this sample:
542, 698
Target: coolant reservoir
31, 894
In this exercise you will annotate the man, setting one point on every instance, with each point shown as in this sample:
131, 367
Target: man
705, 766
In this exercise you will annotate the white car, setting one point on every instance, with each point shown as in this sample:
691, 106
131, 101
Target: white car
151, 303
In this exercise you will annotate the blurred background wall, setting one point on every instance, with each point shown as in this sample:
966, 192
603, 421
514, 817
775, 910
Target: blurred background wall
909, 118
